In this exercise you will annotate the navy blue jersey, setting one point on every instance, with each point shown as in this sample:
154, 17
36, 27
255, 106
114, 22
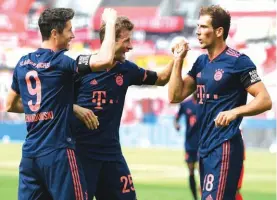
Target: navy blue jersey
221, 85
44, 80
104, 93
188, 108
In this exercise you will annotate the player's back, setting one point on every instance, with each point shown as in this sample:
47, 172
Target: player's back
44, 80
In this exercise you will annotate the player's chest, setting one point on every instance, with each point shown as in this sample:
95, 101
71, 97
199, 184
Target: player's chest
215, 76
109, 82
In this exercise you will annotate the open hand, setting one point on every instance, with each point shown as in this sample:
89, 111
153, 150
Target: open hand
86, 116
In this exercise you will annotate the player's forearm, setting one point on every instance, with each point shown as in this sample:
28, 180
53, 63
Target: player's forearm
176, 84
164, 75
15, 107
261, 103
107, 50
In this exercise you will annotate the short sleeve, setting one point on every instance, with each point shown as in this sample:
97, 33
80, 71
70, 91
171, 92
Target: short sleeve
70, 64
15, 85
193, 71
140, 76
247, 71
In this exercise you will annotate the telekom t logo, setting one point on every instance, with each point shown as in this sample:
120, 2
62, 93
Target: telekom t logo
200, 93
99, 97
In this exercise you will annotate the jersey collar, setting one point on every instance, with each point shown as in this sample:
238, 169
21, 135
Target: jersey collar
225, 49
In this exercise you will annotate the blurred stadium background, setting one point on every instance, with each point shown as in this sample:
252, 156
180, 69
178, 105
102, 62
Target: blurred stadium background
152, 147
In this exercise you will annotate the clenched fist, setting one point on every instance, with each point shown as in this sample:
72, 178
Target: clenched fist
180, 47
109, 15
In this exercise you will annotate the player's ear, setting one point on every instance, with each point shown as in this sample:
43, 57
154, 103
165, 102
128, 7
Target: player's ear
219, 31
54, 33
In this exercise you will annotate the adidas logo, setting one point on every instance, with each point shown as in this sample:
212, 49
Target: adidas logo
94, 82
209, 197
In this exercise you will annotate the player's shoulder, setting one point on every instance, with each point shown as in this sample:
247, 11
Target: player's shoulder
236, 58
235, 55
202, 58
232, 53
128, 65
24, 60
65, 54
200, 61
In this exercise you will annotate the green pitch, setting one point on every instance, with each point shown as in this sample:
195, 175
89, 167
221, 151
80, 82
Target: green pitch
158, 174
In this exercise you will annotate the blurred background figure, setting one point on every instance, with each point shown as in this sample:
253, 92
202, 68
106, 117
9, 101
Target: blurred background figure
150, 142
188, 109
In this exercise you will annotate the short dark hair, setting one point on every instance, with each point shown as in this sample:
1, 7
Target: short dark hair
54, 18
122, 23
220, 18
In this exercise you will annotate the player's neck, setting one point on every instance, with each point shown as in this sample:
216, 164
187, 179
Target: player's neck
47, 44
217, 49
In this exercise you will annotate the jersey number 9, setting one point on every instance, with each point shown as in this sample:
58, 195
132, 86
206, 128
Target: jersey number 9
34, 91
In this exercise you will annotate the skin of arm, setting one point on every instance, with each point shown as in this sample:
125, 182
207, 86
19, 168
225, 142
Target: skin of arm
261, 103
178, 88
14, 103
164, 75
104, 59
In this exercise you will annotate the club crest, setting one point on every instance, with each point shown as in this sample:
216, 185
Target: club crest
218, 74
119, 79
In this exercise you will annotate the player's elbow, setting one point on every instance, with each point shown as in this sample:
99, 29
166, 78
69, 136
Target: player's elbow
174, 99
8, 107
161, 82
268, 103
163, 78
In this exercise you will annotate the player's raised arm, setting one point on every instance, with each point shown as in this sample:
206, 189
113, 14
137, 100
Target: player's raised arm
105, 57
164, 75
178, 88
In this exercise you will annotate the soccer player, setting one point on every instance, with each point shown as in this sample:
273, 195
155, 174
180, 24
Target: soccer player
222, 78
188, 109
106, 171
42, 88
